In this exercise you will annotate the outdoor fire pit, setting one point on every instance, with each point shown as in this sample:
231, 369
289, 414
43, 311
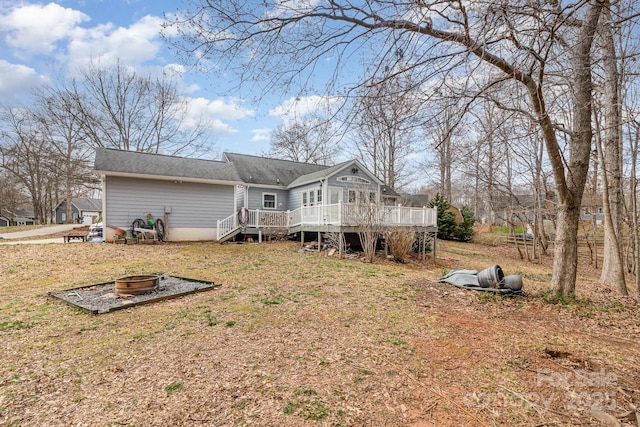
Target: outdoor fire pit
136, 285
130, 291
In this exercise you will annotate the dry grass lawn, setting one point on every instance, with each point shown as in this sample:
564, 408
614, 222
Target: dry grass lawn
300, 339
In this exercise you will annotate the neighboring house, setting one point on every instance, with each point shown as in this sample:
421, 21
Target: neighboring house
17, 217
84, 211
215, 200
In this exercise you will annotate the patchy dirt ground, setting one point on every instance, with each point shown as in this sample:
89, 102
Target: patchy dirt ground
300, 339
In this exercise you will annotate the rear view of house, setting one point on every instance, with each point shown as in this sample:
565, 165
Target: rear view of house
217, 200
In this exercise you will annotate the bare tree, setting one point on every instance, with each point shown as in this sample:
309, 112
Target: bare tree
386, 118
308, 140
12, 196
611, 159
26, 157
522, 41
120, 108
60, 120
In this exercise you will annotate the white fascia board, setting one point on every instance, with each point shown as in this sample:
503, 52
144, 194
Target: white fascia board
267, 186
167, 178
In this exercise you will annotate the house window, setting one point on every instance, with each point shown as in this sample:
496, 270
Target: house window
311, 197
268, 201
352, 196
372, 197
353, 179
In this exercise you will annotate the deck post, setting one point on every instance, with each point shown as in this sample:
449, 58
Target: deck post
301, 238
435, 238
341, 243
319, 241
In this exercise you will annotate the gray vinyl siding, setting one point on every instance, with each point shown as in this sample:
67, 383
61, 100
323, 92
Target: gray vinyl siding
239, 190
255, 198
62, 209
295, 195
333, 182
192, 205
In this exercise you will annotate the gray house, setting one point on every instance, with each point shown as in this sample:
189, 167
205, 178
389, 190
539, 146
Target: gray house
17, 217
216, 200
83, 210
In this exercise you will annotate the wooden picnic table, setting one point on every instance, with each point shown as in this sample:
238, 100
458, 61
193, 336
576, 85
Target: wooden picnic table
74, 236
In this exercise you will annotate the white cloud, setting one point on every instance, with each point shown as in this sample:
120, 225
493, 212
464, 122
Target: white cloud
107, 44
229, 109
17, 80
219, 128
288, 7
296, 108
213, 114
263, 134
36, 28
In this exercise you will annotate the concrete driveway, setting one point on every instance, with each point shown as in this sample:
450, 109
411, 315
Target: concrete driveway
14, 238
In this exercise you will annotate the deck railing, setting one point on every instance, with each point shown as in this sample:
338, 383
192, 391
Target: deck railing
227, 226
340, 214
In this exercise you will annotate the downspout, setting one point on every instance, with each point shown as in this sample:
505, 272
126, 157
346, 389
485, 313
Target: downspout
324, 204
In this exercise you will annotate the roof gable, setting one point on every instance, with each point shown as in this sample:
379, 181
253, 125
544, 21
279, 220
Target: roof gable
267, 171
85, 204
333, 170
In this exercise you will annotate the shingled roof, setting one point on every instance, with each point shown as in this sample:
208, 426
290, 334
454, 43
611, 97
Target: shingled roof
266, 171
86, 204
126, 163
234, 168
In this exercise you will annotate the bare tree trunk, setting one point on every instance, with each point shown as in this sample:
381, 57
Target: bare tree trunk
490, 171
613, 255
571, 187
634, 204
612, 265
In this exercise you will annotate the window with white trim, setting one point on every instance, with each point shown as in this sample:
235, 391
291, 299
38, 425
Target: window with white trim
311, 197
353, 179
269, 200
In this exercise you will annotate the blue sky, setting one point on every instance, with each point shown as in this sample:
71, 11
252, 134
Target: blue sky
40, 42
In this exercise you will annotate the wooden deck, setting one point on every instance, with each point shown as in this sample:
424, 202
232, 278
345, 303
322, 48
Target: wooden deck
339, 218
